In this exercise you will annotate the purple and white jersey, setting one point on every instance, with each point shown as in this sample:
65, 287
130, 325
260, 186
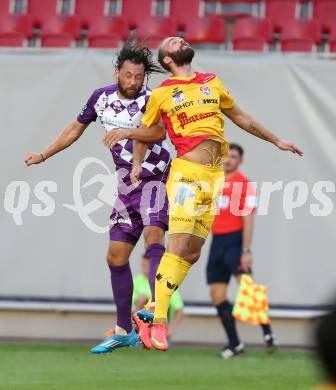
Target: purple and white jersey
115, 113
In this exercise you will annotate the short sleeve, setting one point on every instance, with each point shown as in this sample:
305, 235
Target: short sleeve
88, 113
152, 114
225, 99
176, 302
248, 198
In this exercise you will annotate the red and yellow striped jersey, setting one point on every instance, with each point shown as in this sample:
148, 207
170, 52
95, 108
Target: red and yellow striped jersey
191, 110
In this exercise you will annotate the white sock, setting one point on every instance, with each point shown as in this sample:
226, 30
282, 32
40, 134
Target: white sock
120, 331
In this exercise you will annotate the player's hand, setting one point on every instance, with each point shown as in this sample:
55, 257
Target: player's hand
33, 158
135, 173
246, 262
287, 145
114, 136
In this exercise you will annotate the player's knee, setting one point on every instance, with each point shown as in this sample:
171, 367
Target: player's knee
217, 295
193, 257
153, 235
114, 258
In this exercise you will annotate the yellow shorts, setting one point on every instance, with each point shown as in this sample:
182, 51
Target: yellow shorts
193, 191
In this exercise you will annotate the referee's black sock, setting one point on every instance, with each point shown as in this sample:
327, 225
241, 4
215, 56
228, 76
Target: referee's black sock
266, 329
224, 311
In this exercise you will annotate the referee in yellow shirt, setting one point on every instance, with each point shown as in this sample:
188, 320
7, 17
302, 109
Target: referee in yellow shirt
191, 105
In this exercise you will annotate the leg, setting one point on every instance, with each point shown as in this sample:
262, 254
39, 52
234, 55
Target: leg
154, 244
122, 282
218, 292
218, 277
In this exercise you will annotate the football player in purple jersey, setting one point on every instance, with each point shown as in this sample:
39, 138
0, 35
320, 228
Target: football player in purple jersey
138, 210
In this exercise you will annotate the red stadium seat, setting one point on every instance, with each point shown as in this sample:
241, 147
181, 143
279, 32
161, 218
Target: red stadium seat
300, 35
105, 41
107, 32
60, 31
89, 10
278, 11
137, 11
15, 29
186, 10
153, 30
209, 29
325, 12
332, 38
251, 34
41, 10
4, 8
237, 8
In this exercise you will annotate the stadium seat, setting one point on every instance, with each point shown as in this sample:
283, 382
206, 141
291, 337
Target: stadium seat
137, 11
332, 38
186, 10
15, 29
153, 30
209, 29
107, 32
251, 34
325, 12
237, 8
60, 31
4, 8
300, 35
40, 10
279, 11
89, 10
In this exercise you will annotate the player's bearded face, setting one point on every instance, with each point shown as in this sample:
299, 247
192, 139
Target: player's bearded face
128, 91
130, 79
182, 56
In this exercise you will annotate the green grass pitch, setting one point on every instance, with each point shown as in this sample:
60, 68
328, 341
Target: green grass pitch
72, 367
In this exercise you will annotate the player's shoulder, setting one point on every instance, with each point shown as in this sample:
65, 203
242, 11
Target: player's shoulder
240, 177
107, 89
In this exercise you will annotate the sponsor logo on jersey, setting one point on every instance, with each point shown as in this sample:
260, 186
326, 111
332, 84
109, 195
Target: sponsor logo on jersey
120, 221
117, 106
205, 90
133, 108
178, 96
208, 101
184, 119
184, 105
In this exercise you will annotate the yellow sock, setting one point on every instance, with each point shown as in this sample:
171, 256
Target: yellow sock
169, 276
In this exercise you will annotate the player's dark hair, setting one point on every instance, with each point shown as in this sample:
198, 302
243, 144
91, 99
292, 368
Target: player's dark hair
144, 256
138, 54
326, 343
237, 147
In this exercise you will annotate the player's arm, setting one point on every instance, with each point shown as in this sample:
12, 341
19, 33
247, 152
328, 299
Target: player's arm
246, 256
149, 131
154, 133
68, 136
246, 122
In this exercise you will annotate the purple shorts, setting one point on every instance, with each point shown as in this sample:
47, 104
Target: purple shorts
146, 205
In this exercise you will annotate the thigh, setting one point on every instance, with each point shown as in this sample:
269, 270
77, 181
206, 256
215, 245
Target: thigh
125, 221
119, 252
153, 204
211, 188
216, 270
233, 253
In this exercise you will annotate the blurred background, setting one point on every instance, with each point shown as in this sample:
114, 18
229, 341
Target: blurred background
276, 57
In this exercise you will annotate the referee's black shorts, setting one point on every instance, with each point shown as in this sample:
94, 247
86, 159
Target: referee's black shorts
224, 258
